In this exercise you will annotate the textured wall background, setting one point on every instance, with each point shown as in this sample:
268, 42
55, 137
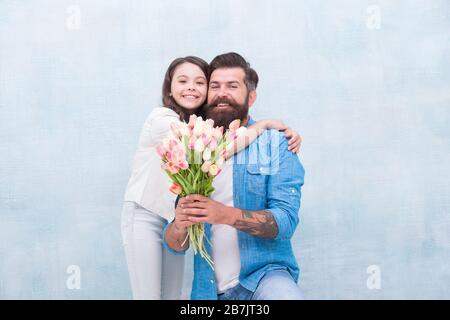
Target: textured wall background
367, 83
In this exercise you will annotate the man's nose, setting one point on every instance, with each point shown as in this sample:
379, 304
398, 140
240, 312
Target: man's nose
223, 92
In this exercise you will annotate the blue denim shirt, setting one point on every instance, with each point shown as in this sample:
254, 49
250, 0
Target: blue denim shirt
266, 176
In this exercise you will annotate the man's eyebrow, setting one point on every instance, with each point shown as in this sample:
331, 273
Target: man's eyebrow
227, 82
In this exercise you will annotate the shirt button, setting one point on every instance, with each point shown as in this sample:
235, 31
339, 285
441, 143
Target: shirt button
212, 281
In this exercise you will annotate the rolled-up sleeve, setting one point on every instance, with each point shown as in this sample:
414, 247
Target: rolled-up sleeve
284, 190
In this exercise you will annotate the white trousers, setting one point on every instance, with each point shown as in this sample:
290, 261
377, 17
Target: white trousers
155, 273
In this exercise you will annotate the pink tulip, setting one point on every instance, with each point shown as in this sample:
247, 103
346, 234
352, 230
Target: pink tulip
169, 156
192, 120
175, 188
171, 167
191, 144
217, 133
235, 124
178, 157
173, 144
206, 138
210, 122
183, 165
212, 144
160, 150
205, 166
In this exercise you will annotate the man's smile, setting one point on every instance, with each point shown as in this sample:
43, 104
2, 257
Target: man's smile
222, 105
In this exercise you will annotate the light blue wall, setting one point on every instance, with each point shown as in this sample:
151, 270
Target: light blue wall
366, 83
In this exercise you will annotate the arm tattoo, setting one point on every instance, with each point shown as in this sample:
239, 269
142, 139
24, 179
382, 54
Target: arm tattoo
257, 223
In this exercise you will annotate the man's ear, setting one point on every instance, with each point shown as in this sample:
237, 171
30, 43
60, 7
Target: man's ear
251, 98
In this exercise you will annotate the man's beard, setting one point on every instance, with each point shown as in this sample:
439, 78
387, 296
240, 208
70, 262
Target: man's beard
225, 115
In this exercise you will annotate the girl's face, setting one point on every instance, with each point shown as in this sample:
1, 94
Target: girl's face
189, 86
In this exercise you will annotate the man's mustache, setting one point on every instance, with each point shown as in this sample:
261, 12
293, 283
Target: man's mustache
222, 100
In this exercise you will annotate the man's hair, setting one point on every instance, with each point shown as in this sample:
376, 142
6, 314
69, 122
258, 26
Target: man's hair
235, 60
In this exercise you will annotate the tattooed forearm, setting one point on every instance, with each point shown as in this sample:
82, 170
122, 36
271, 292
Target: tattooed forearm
257, 223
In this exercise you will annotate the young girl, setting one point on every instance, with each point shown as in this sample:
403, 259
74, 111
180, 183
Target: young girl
148, 205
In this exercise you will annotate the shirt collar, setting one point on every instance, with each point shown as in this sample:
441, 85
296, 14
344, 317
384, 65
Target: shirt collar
250, 121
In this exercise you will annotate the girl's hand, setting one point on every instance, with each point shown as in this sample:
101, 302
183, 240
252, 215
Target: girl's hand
294, 138
182, 222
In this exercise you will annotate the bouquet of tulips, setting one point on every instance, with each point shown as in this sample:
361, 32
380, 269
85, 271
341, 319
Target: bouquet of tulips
192, 155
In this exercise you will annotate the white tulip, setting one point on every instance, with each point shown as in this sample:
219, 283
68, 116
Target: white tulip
206, 154
199, 145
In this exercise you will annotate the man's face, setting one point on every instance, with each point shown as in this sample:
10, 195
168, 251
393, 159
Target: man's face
228, 97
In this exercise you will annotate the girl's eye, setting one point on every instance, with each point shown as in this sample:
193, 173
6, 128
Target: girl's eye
182, 81
200, 83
